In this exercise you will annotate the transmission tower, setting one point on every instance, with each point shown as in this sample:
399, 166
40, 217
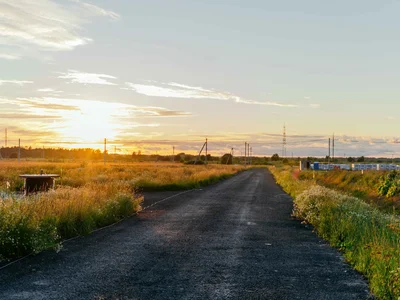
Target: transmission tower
284, 141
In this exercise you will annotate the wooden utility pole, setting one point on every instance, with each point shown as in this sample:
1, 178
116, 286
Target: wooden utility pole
19, 150
173, 153
105, 151
333, 148
248, 152
206, 149
245, 153
198, 157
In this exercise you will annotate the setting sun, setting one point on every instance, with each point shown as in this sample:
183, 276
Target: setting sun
90, 124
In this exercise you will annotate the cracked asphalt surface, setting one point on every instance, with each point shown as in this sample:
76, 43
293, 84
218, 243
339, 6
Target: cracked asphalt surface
232, 240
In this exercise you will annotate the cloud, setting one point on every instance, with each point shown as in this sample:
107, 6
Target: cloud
46, 90
9, 56
50, 91
158, 112
177, 90
17, 82
98, 10
47, 24
26, 116
315, 105
87, 78
80, 120
46, 103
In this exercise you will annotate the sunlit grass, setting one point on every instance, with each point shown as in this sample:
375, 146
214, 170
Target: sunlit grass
87, 196
368, 237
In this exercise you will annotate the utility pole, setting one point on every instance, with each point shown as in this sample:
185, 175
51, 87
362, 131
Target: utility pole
43, 153
198, 157
284, 141
329, 151
251, 155
115, 153
333, 148
173, 153
248, 152
245, 153
5, 138
206, 149
19, 150
105, 151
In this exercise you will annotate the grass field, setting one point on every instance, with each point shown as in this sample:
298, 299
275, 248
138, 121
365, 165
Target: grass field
87, 196
361, 185
368, 237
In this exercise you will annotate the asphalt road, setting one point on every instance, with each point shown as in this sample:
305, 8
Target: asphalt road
233, 240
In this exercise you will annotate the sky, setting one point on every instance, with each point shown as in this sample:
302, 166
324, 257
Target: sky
151, 75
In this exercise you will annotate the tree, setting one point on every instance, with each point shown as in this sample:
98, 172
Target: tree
351, 159
361, 159
226, 159
275, 157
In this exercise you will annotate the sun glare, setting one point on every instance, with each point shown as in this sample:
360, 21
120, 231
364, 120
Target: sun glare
90, 124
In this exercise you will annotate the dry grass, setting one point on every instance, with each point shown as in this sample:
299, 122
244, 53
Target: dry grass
147, 176
88, 196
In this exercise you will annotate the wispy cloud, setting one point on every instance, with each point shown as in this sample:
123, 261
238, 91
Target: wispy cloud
46, 23
26, 116
87, 78
9, 56
50, 91
17, 82
98, 10
177, 90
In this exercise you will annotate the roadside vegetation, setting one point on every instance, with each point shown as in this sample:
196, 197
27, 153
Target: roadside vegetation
368, 237
379, 188
87, 196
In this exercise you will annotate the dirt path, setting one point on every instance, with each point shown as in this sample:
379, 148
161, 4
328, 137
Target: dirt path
233, 240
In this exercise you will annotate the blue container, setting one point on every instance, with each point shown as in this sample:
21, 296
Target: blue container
316, 166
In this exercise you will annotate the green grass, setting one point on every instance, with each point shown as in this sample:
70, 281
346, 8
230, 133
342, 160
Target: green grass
361, 185
42, 221
368, 237
143, 185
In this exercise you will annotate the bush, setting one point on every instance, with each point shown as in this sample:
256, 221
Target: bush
389, 185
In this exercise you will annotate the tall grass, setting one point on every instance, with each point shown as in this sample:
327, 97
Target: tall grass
88, 196
368, 237
361, 185
142, 176
42, 221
